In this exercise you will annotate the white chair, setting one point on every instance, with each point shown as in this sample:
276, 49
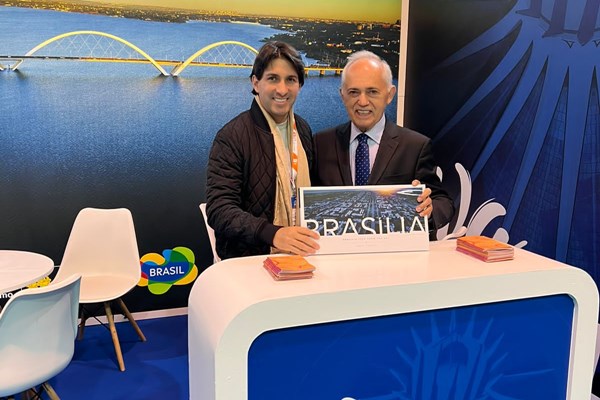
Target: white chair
37, 336
102, 247
211, 234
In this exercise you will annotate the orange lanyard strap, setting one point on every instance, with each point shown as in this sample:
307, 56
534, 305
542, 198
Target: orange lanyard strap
294, 169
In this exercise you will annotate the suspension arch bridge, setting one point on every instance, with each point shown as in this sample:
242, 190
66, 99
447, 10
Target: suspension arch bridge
95, 46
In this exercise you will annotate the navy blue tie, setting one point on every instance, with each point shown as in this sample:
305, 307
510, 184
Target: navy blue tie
361, 161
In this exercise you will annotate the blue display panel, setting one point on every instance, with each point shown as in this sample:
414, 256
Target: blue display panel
515, 349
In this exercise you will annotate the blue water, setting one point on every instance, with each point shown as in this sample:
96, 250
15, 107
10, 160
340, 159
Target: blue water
76, 134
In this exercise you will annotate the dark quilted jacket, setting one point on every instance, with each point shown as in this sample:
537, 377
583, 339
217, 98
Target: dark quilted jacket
240, 183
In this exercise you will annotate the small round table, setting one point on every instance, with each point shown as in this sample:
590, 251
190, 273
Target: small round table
21, 268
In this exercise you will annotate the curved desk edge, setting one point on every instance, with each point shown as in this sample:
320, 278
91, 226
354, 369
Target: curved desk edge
221, 331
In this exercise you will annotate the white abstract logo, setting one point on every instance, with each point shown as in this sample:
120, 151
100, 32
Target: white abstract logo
480, 219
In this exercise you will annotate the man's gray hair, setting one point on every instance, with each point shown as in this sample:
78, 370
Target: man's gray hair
368, 55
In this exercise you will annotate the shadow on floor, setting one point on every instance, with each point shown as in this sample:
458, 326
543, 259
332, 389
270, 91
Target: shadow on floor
156, 369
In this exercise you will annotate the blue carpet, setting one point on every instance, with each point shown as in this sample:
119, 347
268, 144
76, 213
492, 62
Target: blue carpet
155, 369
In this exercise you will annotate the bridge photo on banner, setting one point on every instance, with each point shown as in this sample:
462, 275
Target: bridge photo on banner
112, 112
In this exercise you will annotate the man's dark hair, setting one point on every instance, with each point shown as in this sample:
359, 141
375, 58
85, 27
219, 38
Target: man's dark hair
272, 50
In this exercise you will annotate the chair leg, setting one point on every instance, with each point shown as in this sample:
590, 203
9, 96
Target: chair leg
50, 391
30, 394
115, 337
131, 319
82, 319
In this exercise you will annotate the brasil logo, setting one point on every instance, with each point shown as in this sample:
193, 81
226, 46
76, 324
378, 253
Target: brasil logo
173, 267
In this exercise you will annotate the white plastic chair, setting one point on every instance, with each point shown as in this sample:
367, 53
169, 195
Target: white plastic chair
211, 234
37, 336
102, 247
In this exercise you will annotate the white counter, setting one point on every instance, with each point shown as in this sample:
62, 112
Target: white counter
235, 301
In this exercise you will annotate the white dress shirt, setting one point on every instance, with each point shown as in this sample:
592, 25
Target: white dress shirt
374, 135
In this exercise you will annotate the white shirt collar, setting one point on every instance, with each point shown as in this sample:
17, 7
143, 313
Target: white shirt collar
374, 133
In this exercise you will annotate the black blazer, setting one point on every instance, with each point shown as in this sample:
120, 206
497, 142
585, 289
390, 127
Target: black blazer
403, 155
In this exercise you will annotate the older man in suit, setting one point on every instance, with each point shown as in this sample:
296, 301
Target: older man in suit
371, 150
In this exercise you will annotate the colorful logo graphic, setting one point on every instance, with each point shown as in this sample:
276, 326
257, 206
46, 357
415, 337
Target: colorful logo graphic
173, 267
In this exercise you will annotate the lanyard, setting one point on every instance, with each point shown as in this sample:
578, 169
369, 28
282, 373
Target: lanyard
294, 169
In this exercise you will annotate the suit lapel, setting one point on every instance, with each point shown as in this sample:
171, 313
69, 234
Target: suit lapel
342, 146
387, 149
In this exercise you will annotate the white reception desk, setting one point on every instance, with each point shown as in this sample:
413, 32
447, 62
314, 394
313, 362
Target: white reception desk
367, 325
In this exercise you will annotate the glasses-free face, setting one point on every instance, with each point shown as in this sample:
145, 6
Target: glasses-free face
278, 88
366, 93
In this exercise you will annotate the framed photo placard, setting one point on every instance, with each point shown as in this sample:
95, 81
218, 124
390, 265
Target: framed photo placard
364, 219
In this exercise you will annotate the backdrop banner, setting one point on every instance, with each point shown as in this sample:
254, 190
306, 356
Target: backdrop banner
112, 105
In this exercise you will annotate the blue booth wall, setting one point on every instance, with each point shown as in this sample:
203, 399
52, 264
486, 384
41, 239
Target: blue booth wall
509, 90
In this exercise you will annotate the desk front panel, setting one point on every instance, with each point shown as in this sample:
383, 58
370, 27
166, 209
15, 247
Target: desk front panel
511, 349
